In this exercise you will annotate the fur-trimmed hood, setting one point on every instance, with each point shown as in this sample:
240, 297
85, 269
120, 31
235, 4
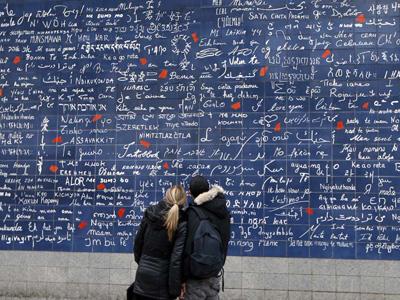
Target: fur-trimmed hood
213, 201
208, 196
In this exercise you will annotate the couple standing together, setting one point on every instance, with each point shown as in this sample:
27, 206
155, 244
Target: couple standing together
180, 252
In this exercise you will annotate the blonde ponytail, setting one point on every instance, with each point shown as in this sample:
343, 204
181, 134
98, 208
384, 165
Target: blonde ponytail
175, 197
171, 221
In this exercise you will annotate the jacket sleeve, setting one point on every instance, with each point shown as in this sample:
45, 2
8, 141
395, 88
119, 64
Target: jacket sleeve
188, 245
226, 232
226, 236
139, 239
176, 262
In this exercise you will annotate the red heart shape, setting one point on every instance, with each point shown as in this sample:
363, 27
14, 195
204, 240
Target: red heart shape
143, 61
57, 139
83, 224
361, 19
101, 186
121, 212
278, 127
53, 168
326, 53
96, 117
236, 106
17, 60
263, 71
309, 211
163, 74
145, 144
195, 37
339, 125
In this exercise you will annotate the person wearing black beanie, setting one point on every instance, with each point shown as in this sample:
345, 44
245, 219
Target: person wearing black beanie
198, 185
211, 202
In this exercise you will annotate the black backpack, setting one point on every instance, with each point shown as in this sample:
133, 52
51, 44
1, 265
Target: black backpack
207, 257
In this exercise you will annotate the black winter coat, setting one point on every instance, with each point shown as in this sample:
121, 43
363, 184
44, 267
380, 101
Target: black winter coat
214, 207
159, 273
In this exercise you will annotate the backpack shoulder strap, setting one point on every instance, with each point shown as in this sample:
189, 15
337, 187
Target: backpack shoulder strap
199, 212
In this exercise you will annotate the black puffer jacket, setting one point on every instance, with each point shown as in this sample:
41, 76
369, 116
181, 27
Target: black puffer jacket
213, 204
159, 274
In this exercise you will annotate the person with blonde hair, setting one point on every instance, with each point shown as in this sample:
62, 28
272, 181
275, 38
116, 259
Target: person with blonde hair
159, 246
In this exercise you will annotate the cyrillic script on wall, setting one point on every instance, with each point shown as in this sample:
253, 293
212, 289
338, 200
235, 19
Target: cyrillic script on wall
291, 106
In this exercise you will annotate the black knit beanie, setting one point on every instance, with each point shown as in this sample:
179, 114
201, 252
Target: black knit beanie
198, 185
